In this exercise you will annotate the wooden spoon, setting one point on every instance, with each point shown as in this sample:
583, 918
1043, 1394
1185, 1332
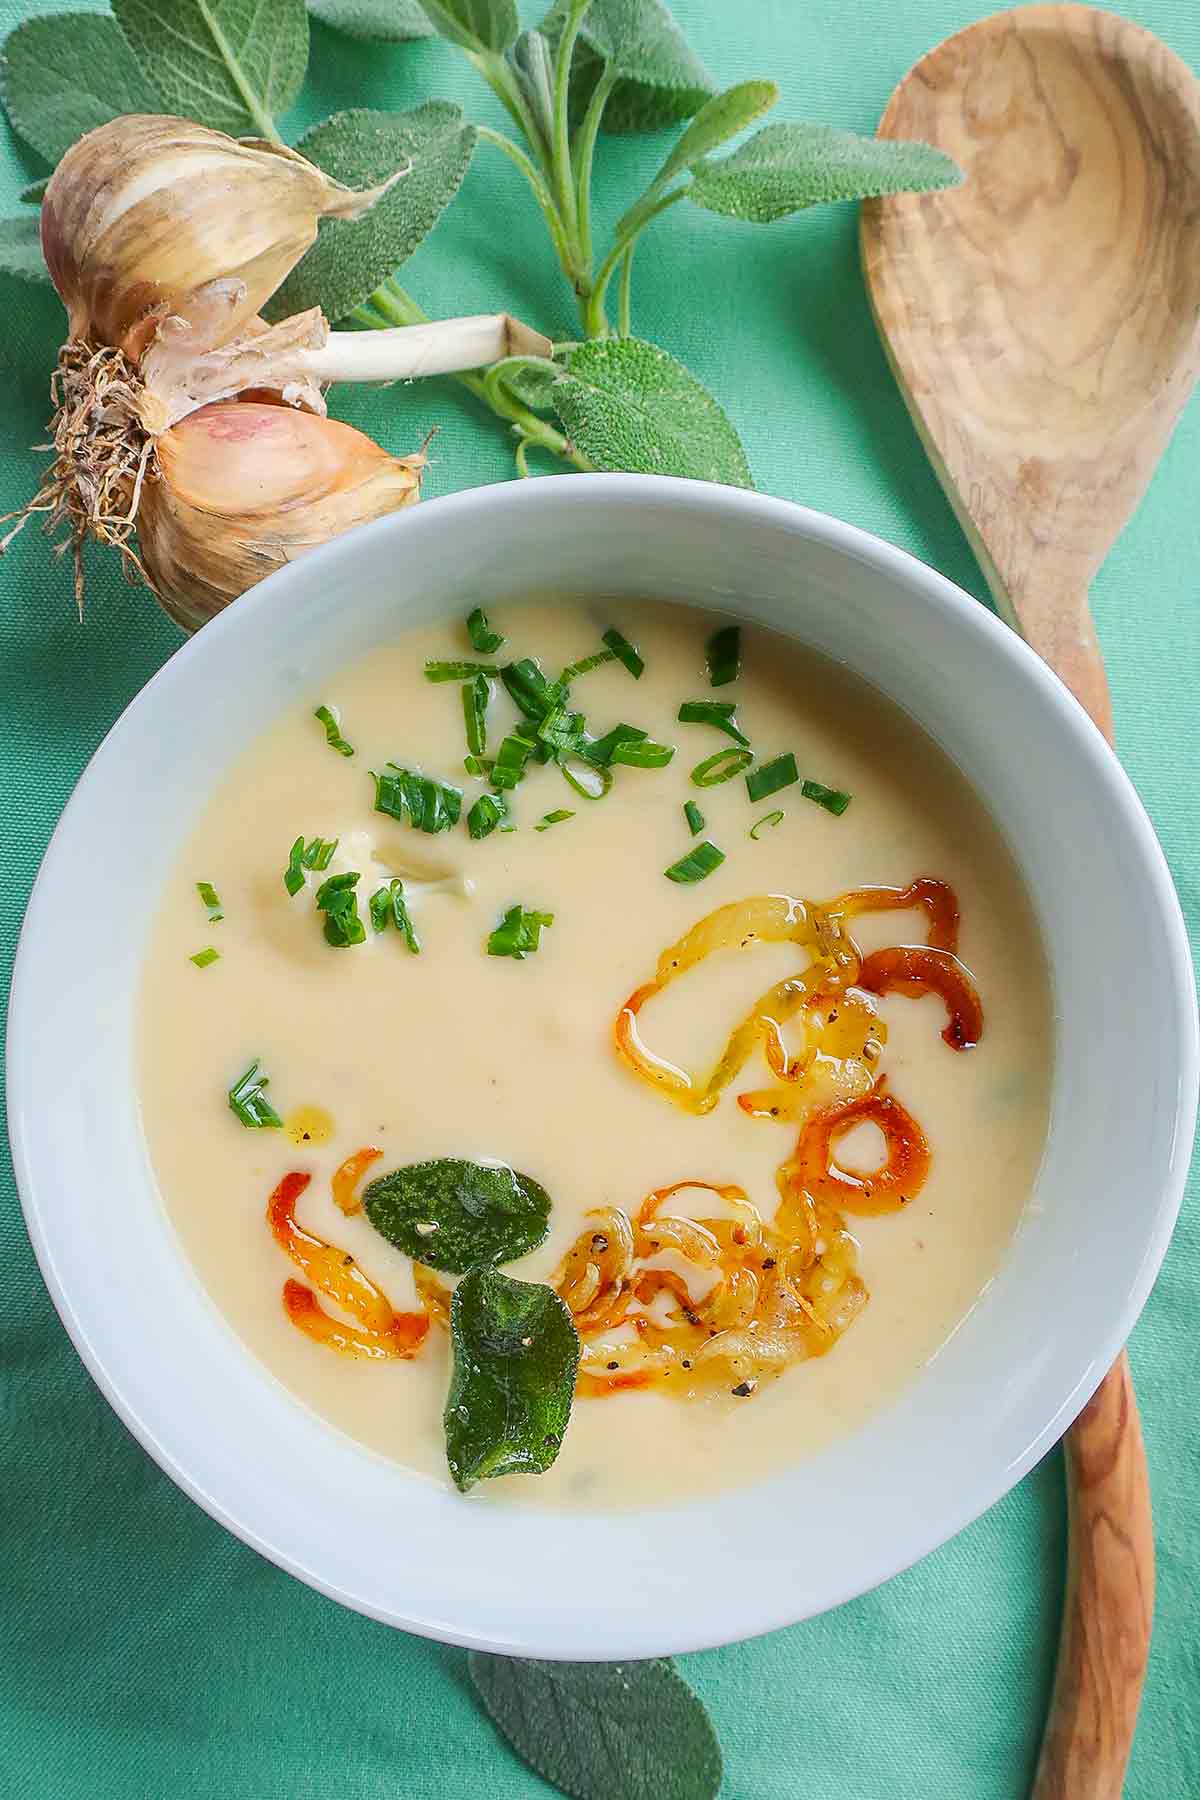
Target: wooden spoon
1043, 322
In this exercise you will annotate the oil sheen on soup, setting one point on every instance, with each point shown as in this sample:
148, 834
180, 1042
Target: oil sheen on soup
783, 1162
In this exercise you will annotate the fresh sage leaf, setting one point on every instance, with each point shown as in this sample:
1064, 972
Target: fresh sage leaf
351, 257
67, 73
603, 1731
785, 168
475, 24
21, 249
234, 65
659, 80
532, 62
453, 1214
628, 405
385, 21
718, 120
516, 1353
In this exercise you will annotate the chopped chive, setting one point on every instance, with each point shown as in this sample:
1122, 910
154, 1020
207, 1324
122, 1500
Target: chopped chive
780, 772
600, 750
561, 730
625, 652
591, 781
643, 754
454, 671
488, 812
388, 907
203, 958
475, 696
834, 800
248, 1099
338, 901
584, 667
293, 875
766, 823
318, 853
212, 900
482, 637
723, 654
511, 758
694, 817
529, 688
713, 712
428, 805
333, 731
518, 934
553, 818
696, 864
722, 766
481, 766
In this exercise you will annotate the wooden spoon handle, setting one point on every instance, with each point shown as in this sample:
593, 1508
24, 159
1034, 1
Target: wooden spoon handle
1064, 636
1109, 1600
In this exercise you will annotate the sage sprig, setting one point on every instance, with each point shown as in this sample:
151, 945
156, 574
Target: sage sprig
591, 68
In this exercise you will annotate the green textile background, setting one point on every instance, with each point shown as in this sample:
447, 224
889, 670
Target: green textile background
148, 1654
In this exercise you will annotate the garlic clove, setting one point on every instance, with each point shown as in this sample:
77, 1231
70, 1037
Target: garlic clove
244, 487
150, 217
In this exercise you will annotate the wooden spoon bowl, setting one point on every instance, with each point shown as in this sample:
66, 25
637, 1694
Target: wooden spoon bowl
1044, 319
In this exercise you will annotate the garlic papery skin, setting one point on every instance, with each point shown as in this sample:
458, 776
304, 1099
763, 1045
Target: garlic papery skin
243, 488
150, 217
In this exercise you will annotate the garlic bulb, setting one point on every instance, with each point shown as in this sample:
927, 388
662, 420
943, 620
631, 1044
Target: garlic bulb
151, 217
244, 487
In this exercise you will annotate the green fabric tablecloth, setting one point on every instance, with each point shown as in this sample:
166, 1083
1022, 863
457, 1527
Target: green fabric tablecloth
146, 1652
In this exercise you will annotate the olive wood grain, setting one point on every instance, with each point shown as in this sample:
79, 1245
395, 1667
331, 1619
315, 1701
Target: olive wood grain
1043, 322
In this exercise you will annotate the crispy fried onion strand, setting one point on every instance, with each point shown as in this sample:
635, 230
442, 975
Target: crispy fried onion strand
812, 1176
908, 969
768, 919
347, 1176
381, 1332
937, 900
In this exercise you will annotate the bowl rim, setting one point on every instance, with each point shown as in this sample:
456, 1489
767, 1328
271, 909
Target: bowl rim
771, 1610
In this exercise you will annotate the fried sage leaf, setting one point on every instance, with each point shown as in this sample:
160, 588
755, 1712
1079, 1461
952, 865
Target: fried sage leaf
454, 1214
603, 1731
516, 1352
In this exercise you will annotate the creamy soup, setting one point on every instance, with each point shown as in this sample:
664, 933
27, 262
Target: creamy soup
455, 1053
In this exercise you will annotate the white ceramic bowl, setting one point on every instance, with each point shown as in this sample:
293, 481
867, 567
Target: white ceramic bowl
1007, 1384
